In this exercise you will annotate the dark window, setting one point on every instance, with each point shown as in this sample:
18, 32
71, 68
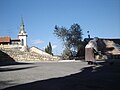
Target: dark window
22, 42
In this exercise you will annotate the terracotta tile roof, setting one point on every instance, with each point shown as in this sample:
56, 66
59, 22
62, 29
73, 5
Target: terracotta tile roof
108, 45
4, 39
112, 45
116, 51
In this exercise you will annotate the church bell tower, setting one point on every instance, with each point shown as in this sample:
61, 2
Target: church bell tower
23, 36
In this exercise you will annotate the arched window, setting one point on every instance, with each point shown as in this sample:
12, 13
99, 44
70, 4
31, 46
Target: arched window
22, 42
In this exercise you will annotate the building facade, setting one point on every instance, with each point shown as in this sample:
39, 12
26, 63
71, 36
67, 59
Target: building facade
20, 43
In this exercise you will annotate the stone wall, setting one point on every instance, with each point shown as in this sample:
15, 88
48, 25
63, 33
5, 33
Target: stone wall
18, 55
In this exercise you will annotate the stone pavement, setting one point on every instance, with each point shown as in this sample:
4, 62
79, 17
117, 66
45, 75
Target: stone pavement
75, 75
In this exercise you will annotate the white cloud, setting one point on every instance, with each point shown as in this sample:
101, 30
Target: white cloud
38, 41
54, 46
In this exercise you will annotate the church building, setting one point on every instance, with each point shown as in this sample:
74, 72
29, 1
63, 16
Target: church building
6, 42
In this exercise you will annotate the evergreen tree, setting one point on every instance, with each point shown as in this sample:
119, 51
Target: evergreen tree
48, 49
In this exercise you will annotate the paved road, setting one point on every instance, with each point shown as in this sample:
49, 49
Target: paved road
60, 76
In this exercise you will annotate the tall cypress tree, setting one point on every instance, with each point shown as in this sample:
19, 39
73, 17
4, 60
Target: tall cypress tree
48, 49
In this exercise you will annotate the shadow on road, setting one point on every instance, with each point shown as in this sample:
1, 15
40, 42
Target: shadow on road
15, 69
101, 77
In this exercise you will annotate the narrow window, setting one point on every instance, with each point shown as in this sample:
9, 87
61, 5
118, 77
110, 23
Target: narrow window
22, 42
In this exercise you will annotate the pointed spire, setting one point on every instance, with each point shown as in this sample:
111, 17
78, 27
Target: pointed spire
22, 30
22, 22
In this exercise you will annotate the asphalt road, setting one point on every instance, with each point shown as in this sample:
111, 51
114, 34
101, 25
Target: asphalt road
60, 76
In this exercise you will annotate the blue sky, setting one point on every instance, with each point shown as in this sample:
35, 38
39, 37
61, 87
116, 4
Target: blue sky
100, 17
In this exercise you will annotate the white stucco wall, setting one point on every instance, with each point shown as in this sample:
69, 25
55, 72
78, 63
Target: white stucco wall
36, 50
24, 40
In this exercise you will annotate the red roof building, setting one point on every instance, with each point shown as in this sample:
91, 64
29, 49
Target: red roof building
5, 39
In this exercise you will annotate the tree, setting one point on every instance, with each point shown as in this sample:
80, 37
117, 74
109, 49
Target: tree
48, 49
71, 37
75, 36
66, 54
